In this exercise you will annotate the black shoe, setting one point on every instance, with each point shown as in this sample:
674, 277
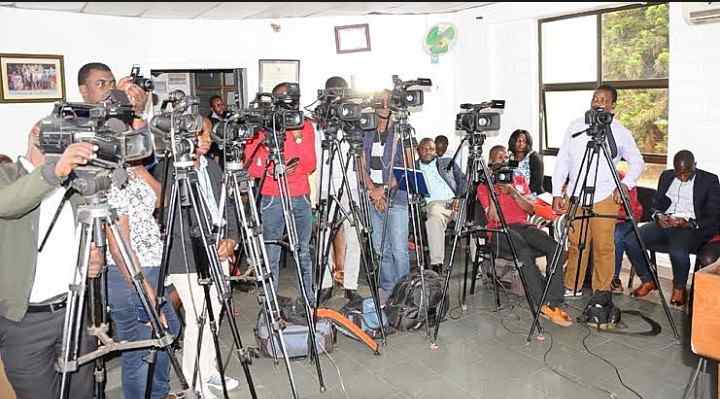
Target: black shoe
325, 294
352, 295
437, 268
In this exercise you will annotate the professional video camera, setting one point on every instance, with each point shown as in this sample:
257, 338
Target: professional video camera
478, 118
267, 112
144, 83
402, 98
599, 120
504, 172
106, 125
347, 110
179, 125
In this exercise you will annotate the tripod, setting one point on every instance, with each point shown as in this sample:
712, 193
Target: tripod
274, 141
204, 249
596, 146
404, 132
239, 185
330, 204
476, 164
92, 220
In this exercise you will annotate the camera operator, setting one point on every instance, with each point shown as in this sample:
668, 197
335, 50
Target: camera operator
607, 200
217, 114
345, 262
184, 276
134, 204
530, 242
300, 159
34, 284
381, 152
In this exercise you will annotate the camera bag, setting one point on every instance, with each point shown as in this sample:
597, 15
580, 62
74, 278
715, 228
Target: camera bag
295, 332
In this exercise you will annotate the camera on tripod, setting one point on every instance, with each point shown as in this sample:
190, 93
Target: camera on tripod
403, 98
106, 125
144, 83
346, 110
178, 126
598, 119
478, 118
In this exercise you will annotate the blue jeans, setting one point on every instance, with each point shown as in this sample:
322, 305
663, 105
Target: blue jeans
273, 228
396, 255
623, 235
677, 242
124, 302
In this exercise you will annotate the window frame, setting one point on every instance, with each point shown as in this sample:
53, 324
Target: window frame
574, 86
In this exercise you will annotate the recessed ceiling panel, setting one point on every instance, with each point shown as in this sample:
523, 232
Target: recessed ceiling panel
58, 6
118, 8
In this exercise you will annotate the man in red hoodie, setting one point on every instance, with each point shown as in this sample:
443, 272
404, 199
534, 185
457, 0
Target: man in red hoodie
299, 156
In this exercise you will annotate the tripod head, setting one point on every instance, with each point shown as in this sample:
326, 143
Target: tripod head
599, 121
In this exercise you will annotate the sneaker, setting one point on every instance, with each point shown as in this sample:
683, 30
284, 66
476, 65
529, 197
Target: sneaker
569, 293
556, 315
616, 286
230, 383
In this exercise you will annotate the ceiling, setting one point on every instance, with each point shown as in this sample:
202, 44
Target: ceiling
246, 10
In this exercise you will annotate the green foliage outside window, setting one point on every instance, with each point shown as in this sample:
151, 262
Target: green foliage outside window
635, 46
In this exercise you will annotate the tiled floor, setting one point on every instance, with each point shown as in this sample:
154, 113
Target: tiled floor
482, 354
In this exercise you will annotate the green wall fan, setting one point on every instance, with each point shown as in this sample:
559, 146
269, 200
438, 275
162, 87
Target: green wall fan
439, 39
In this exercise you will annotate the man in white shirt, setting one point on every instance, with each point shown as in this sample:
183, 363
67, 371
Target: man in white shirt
606, 201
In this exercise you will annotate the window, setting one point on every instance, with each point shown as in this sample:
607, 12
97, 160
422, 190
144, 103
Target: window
627, 47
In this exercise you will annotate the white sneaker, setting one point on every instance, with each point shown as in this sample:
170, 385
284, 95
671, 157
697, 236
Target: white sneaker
207, 393
570, 293
230, 383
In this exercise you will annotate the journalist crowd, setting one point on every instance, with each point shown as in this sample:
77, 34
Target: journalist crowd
416, 195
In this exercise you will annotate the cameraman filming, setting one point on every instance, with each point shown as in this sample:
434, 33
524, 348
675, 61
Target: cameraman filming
33, 284
300, 161
529, 241
607, 200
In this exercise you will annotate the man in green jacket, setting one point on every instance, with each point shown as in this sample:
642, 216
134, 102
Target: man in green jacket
33, 284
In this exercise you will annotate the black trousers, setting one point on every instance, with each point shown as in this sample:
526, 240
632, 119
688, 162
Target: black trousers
531, 242
30, 350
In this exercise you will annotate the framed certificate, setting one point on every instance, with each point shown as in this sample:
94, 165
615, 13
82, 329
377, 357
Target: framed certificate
273, 72
352, 38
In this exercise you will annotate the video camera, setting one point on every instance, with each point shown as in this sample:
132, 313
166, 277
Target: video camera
107, 125
272, 113
347, 110
402, 98
178, 126
504, 173
478, 118
144, 83
599, 120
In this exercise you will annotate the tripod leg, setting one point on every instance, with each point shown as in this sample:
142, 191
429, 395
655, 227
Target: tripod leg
75, 306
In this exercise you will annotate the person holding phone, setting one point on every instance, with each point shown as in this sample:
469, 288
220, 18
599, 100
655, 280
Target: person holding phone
299, 153
685, 210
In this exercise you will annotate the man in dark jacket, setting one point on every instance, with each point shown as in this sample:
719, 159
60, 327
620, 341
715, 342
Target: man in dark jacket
446, 186
685, 210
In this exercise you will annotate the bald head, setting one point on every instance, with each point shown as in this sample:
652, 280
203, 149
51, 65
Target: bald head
684, 164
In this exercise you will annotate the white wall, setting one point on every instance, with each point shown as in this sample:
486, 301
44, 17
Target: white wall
155, 44
694, 101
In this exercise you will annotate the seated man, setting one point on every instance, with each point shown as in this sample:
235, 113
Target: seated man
685, 210
529, 241
446, 185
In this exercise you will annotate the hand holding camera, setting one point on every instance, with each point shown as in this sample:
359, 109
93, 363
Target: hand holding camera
75, 155
137, 96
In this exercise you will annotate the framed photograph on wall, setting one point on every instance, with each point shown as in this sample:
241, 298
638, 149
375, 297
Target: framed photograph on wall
352, 38
28, 78
273, 72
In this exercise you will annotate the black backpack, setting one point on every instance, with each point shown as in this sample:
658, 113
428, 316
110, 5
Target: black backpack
405, 308
601, 312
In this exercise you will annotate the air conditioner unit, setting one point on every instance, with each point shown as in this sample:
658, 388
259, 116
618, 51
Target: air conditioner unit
701, 12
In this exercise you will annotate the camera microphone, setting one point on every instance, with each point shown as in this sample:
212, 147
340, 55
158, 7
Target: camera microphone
466, 106
423, 82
